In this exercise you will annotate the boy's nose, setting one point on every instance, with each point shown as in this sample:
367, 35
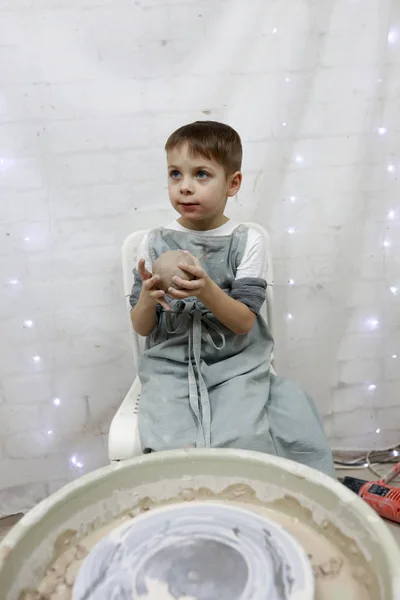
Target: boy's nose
186, 188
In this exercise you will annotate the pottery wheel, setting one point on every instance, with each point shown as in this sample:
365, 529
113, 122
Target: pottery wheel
197, 551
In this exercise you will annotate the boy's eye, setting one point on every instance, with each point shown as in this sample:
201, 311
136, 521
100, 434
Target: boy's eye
174, 174
202, 174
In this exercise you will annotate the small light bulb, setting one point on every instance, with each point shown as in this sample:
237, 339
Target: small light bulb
36, 358
382, 130
380, 80
391, 215
293, 199
378, 430
289, 316
394, 290
14, 281
274, 30
371, 387
387, 243
56, 401
284, 124
299, 159
28, 323
27, 239
287, 79
391, 168
291, 282
74, 460
372, 323
49, 432
394, 355
392, 37
395, 453
291, 230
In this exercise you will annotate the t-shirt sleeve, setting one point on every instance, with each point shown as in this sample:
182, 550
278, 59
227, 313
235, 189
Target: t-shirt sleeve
250, 282
143, 252
254, 262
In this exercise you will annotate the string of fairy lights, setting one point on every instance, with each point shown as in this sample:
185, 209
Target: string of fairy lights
371, 323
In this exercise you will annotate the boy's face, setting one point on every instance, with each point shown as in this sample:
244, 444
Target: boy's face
198, 189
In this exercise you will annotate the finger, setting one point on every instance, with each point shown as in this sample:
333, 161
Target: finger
164, 304
152, 282
143, 272
157, 294
179, 294
141, 266
192, 269
187, 285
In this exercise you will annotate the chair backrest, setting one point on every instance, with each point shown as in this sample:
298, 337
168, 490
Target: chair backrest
130, 260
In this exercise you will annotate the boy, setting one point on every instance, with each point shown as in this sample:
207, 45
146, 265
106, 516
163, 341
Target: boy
205, 371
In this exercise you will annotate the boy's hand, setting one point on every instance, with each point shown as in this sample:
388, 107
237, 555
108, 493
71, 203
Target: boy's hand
150, 294
196, 287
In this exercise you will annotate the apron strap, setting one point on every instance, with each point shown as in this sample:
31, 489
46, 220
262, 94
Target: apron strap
198, 325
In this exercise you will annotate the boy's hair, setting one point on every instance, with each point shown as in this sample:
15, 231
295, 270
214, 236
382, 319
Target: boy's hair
213, 140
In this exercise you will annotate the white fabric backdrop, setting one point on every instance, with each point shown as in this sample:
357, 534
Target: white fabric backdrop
90, 89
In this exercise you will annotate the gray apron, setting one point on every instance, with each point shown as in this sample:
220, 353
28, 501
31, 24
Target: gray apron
204, 386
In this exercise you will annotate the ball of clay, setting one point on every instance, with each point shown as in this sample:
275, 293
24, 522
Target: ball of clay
166, 267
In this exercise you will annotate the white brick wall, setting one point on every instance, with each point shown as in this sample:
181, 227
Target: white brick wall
90, 89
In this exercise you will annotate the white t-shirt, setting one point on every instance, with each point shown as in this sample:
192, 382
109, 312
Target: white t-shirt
253, 263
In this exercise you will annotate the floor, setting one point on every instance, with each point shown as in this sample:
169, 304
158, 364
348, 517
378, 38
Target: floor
8, 522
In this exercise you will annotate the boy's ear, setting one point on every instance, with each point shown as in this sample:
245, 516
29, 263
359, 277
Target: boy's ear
235, 181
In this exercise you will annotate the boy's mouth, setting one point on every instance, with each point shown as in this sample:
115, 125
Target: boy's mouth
187, 205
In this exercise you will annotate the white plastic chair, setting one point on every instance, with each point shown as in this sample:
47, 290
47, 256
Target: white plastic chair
123, 438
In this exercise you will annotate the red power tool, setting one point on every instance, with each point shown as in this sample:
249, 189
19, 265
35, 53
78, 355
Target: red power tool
383, 498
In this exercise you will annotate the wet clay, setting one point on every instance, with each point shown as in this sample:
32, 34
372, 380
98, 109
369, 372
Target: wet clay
166, 267
340, 569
